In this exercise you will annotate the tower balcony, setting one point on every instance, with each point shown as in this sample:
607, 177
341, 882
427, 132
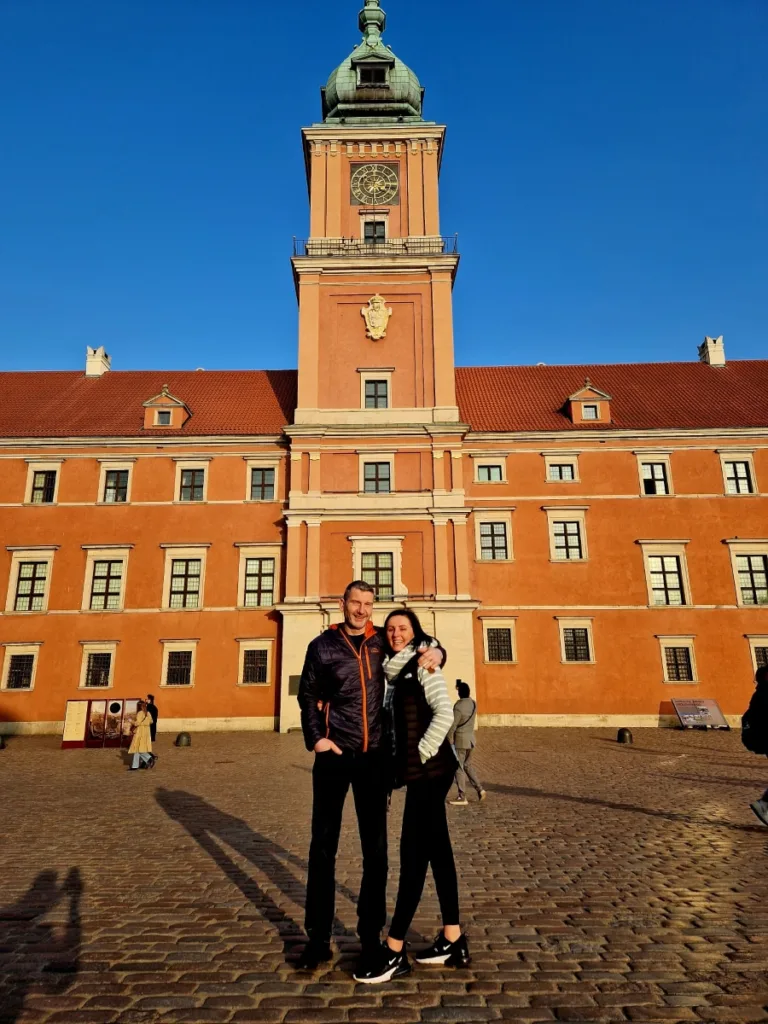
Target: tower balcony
413, 245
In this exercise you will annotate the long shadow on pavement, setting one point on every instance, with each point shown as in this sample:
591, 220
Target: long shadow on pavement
36, 957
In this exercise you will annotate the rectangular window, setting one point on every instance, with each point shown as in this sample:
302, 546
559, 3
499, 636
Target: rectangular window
371, 76
753, 578
192, 485
678, 664
655, 480
185, 583
377, 394
499, 642
163, 418
489, 474
738, 478
666, 579
259, 582
116, 486
377, 477
493, 542
30, 587
255, 666
20, 672
761, 657
97, 672
378, 569
374, 231
179, 670
106, 585
567, 541
589, 412
576, 644
561, 471
262, 484
43, 487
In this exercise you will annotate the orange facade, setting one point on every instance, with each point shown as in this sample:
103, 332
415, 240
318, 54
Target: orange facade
587, 542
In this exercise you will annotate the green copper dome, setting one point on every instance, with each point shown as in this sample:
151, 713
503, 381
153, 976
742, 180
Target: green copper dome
372, 84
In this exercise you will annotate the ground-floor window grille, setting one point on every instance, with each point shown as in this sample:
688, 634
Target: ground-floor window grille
499, 640
679, 664
179, 672
761, 657
20, 672
576, 644
255, 666
378, 569
98, 669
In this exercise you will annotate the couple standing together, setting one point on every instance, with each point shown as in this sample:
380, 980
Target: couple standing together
375, 710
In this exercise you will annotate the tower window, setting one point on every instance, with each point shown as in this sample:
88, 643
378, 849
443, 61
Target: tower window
372, 76
376, 394
374, 231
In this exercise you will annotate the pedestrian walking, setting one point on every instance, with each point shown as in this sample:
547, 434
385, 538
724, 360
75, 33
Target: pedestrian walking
341, 695
462, 736
419, 708
754, 732
141, 742
152, 709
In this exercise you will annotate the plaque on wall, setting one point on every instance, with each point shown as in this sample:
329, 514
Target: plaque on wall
699, 714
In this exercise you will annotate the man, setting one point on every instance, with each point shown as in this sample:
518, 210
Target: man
462, 736
341, 696
152, 709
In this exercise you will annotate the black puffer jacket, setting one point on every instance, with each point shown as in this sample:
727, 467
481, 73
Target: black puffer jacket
349, 687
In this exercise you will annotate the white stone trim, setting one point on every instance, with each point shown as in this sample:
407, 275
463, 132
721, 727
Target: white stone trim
107, 465
582, 622
742, 546
567, 514
665, 641
190, 463
172, 553
42, 466
667, 547
178, 645
561, 459
755, 640
650, 456
375, 456
109, 553
265, 644
380, 544
261, 462
373, 374
98, 647
493, 622
487, 460
738, 455
35, 554
19, 648
650, 721
258, 550
502, 515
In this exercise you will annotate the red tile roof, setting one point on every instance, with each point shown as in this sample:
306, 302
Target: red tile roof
491, 398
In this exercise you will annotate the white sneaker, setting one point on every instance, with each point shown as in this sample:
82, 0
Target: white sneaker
460, 801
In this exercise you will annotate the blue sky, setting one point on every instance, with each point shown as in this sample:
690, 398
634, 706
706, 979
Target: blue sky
606, 170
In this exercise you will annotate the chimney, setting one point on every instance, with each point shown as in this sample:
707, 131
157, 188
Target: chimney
97, 362
712, 351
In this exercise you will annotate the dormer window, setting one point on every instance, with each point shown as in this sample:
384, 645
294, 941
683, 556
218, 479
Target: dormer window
590, 412
164, 417
589, 405
371, 77
165, 410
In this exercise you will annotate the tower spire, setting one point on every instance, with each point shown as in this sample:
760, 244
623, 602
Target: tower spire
372, 22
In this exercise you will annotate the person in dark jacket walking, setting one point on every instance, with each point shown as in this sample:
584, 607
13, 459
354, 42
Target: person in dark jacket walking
421, 716
152, 709
758, 713
341, 695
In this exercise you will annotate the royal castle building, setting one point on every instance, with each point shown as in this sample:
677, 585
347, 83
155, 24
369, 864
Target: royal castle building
588, 542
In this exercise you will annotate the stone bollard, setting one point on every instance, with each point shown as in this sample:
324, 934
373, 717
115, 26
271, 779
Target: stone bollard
183, 740
624, 736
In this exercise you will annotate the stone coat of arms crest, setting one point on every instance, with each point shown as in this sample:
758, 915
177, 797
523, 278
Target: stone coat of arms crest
376, 316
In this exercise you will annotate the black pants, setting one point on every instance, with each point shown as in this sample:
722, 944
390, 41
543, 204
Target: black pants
332, 776
425, 841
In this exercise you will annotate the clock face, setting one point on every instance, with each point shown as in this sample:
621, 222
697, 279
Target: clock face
375, 184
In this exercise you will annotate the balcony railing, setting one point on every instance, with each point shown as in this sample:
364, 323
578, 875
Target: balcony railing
427, 245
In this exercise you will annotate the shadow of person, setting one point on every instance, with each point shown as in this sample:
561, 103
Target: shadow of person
207, 824
36, 956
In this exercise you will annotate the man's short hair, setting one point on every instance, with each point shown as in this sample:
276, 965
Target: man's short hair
150, 696
358, 585
463, 689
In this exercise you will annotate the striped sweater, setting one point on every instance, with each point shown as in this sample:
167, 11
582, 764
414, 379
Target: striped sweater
436, 692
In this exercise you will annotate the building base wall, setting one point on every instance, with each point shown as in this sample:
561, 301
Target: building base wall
265, 724
589, 721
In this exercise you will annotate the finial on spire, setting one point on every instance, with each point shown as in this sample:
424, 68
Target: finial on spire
372, 22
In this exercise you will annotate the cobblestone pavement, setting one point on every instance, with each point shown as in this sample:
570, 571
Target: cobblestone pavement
599, 883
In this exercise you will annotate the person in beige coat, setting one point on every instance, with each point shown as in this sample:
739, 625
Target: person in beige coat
141, 742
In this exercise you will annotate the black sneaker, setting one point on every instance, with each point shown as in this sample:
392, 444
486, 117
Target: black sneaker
315, 953
387, 966
452, 954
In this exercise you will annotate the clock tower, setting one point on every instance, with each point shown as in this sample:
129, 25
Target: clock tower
376, 488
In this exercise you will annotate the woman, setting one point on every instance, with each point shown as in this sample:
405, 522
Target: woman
141, 742
421, 714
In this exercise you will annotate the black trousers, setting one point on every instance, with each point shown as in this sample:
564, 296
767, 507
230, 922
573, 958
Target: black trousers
332, 776
425, 841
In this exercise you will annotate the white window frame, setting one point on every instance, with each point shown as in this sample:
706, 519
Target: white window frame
181, 551
257, 550
567, 514
35, 554
501, 515
42, 466
98, 647
106, 553
666, 547
368, 217
667, 640
582, 622
738, 455
255, 645
489, 460
187, 463
499, 623
591, 404
178, 645
644, 457
561, 459
108, 465
368, 457
19, 648
266, 462
742, 547
162, 409
381, 544
368, 374
754, 640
